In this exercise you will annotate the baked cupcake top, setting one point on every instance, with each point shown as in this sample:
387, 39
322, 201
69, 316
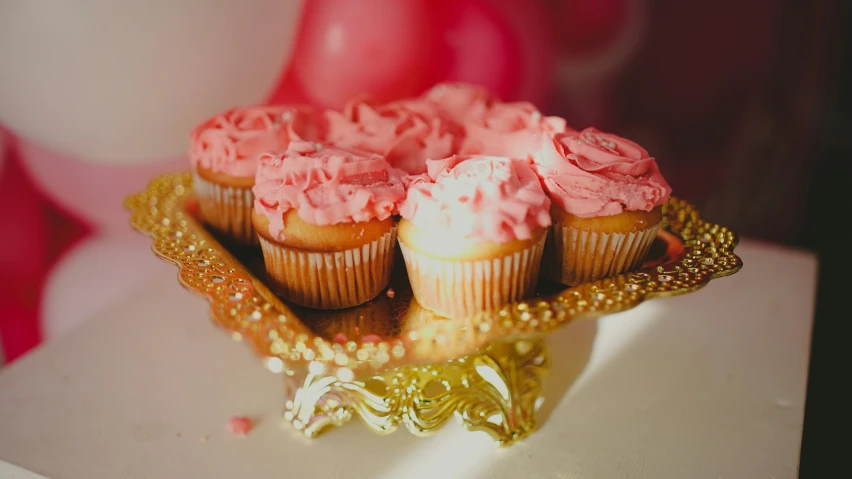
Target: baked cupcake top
591, 173
325, 186
515, 130
485, 198
230, 142
406, 133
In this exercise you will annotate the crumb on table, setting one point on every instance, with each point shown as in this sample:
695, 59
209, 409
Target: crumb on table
239, 425
391, 293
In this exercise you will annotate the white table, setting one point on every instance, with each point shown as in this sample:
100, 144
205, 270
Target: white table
706, 385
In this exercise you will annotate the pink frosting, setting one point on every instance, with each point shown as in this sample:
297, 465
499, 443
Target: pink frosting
590, 173
230, 142
459, 102
325, 186
406, 133
481, 197
515, 130
240, 425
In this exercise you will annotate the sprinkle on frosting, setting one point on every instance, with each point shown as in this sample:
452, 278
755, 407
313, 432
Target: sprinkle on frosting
514, 130
325, 186
407, 133
591, 173
230, 142
481, 197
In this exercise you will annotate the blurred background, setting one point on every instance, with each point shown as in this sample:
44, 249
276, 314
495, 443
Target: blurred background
742, 104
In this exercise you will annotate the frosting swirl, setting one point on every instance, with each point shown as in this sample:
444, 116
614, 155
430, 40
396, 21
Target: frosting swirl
231, 141
459, 102
406, 133
591, 173
325, 185
478, 197
515, 130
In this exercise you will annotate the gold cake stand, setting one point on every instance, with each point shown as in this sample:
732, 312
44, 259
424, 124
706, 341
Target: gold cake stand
391, 362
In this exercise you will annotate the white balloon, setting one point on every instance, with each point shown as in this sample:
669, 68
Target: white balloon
95, 274
124, 82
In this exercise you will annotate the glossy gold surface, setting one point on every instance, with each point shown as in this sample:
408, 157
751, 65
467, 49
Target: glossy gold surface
495, 391
401, 349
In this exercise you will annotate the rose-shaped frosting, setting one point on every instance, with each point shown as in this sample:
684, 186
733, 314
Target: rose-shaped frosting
459, 102
590, 173
406, 133
325, 186
515, 130
478, 197
231, 141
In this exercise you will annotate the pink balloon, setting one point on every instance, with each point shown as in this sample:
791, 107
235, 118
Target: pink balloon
93, 192
379, 47
501, 44
288, 91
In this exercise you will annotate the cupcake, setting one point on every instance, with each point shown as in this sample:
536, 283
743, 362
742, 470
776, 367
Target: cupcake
607, 194
472, 233
514, 130
323, 217
406, 133
459, 102
224, 152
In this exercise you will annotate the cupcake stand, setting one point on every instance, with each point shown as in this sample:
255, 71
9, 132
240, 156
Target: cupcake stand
390, 362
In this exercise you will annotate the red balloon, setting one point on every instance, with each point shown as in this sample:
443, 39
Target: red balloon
597, 40
478, 47
23, 244
4, 148
23, 263
503, 45
588, 25
535, 45
378, 47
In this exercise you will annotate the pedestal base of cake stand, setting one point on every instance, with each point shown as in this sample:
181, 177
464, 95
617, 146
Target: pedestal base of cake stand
496, 390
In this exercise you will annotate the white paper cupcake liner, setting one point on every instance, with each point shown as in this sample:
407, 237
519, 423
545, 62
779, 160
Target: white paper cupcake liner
458, 289
330, 280
573, 256
226, 208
